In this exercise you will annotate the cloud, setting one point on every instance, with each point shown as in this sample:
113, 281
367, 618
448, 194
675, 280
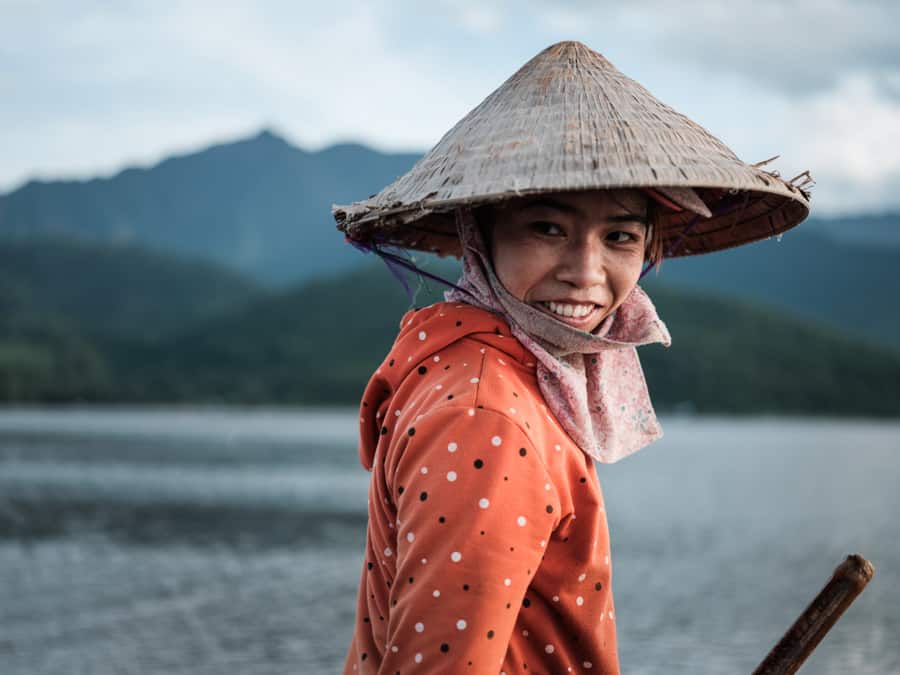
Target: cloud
88, 86
798, 47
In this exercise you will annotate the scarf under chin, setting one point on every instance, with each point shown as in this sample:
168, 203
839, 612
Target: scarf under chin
592, 382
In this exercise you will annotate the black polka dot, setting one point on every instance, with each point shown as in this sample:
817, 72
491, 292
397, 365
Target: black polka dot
465, 587
482, 533
391, 362
523, 452
508, 605
364, 656
411, 431
526, 602
478, 463
422, 370
449, 397
369, 565
582, 480
598, 586
505, 477
400, 490
366, 619
410, 580
490, 635
383, 430
445, 647
423, 496
365, 405
459, 323
442, 519
593, 359
549, 508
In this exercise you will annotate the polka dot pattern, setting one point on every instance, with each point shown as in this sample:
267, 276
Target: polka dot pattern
472, 529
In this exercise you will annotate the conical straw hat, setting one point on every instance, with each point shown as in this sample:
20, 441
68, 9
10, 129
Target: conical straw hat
569, 120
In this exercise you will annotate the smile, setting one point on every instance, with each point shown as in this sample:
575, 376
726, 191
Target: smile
566, 309
578, 315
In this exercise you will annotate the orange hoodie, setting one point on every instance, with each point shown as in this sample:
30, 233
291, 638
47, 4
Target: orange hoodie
487, 549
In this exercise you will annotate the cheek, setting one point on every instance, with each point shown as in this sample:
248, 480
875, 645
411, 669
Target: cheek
520, 266
625, 274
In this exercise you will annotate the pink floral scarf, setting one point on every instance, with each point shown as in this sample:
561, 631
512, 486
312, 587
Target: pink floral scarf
592, 382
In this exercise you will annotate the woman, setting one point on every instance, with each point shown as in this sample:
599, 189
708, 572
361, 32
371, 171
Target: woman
487, 547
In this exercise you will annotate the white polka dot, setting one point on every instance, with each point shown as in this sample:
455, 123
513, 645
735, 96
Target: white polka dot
521, 521
437, 358
451, 476
546, 486
496, 440
525, 633
543, 543
581, 577
456, 556
512, 411
588, 664
483, 503
436, 593
424, 561
420, 627
507, 582
579, 601
397, 413
549, 649
502, 362
471, 412
612, 616
438, 387
424, 470
474, 380
555, 598
418, 658
452, 447
422, 335
394, 649
557, 448
388, 552
461, 624
410, 536
606, 559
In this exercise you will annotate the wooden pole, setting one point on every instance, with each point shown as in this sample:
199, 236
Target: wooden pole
848, 581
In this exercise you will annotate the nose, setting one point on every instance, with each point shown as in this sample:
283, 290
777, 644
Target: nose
583, 264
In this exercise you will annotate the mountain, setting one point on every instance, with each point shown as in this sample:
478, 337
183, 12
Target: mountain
849, 286
318, 343
262, 206
117, 289
259, 205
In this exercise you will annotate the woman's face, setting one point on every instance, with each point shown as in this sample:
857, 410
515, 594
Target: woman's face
573, 255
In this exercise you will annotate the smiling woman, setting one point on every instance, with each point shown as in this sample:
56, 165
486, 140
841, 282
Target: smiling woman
584, 250
487, 547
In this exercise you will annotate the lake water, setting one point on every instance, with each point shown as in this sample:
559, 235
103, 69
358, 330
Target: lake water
230, 541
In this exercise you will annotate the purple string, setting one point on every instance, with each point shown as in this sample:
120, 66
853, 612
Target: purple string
400, 267
725, 209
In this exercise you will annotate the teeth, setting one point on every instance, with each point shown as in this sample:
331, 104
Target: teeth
565, 309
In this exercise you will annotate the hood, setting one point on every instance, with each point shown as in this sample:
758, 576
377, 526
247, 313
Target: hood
423, 333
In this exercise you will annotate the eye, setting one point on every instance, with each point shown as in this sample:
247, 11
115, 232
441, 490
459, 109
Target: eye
621, 237
547, 228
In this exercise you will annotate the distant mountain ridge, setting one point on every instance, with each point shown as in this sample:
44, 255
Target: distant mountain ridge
262, 206
199, 333
259, 205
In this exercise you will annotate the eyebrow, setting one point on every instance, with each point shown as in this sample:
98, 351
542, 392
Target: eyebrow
550, 203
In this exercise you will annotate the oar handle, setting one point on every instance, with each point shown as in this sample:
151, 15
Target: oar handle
848, 581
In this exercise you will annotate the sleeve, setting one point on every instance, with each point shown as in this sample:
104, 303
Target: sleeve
475, 508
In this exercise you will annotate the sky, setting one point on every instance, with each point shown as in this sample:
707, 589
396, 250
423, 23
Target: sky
89, 87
